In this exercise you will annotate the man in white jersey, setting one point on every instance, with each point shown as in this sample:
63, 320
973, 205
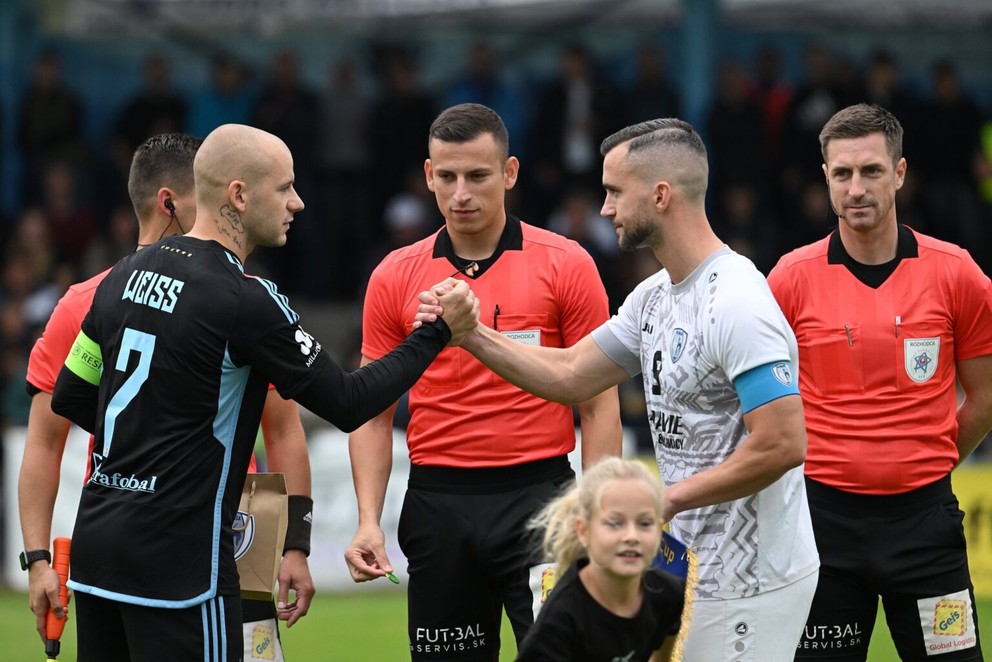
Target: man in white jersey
720, 379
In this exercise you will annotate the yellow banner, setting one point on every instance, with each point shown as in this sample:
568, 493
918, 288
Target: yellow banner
973, 487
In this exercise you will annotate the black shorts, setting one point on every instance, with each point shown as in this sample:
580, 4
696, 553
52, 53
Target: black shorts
907, 548
470, 556
111, 631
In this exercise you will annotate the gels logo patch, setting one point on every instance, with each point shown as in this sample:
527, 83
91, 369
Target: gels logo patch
262, 643
947, 622
949, 618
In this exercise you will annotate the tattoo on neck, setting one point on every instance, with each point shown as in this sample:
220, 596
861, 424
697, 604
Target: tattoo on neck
230, 224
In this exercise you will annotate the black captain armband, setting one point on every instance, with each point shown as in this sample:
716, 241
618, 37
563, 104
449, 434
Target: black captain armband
300, 523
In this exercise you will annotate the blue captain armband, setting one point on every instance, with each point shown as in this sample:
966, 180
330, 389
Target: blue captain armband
761, 385
85, 359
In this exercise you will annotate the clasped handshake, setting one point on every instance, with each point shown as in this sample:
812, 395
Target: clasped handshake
454, 302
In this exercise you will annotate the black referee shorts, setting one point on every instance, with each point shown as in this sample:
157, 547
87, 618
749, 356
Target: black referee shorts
464, 534
111, 631
907, 548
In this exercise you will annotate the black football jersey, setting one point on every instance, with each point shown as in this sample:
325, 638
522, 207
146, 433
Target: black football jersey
189, 344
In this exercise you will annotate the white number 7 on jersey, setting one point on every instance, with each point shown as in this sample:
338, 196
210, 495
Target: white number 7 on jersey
144, 345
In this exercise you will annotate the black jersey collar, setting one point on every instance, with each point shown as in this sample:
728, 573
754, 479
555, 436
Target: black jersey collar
512, 239
873, 275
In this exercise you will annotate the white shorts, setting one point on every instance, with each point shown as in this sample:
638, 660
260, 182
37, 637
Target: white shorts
262, 641
764, 628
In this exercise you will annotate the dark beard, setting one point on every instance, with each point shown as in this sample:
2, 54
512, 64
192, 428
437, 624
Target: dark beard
637, 237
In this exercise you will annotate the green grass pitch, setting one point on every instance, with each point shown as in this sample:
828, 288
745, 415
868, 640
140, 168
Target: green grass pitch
363, 625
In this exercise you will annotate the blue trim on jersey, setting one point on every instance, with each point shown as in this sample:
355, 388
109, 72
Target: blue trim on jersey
141, 601
214, 630
222, 612
204, 615
235, 261
761, 385
281, 300
233, 381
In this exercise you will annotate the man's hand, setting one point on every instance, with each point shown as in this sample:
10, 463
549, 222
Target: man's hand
294, 573
43, 591
430, 304
459, 309
366, 555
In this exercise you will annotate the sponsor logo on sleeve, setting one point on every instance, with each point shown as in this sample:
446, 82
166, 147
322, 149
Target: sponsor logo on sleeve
309, 347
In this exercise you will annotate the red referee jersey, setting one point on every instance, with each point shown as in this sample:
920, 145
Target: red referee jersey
877, 365
546, 289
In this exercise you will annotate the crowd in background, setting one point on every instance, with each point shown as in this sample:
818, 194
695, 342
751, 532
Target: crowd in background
359, 152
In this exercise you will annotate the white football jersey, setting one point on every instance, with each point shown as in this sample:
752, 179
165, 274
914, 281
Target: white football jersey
690, 341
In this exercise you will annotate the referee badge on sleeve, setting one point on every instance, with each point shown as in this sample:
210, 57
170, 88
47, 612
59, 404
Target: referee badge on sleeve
920, 357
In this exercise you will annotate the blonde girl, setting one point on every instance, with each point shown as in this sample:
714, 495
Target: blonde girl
609, 603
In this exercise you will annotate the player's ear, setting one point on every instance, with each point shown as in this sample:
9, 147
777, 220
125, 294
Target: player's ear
429, 174
662, 196
510, 171
900, 173
164, 201
237, 195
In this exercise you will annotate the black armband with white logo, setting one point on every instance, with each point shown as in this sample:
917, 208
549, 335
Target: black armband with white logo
300, 522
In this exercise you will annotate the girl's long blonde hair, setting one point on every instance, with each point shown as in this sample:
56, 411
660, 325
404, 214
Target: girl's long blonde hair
581, 500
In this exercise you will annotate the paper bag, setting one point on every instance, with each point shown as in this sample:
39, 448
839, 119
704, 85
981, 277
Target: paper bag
259, 533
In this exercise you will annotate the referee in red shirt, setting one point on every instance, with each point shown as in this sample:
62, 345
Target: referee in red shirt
485, 455
887, 320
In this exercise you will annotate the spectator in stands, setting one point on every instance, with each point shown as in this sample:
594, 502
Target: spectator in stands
289, 108
747, 227
116, 241
50, 124
735, 129
814, 101
947, 158
577, 217
400, 116
884, 87
651, 94
774, 94
345, 188
482, 81
156, 108
73, 221
574, 112
228, 99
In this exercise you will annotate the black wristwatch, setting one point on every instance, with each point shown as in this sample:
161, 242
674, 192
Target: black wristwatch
27, 558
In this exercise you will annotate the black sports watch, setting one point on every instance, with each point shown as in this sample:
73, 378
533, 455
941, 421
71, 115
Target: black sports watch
27, 558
